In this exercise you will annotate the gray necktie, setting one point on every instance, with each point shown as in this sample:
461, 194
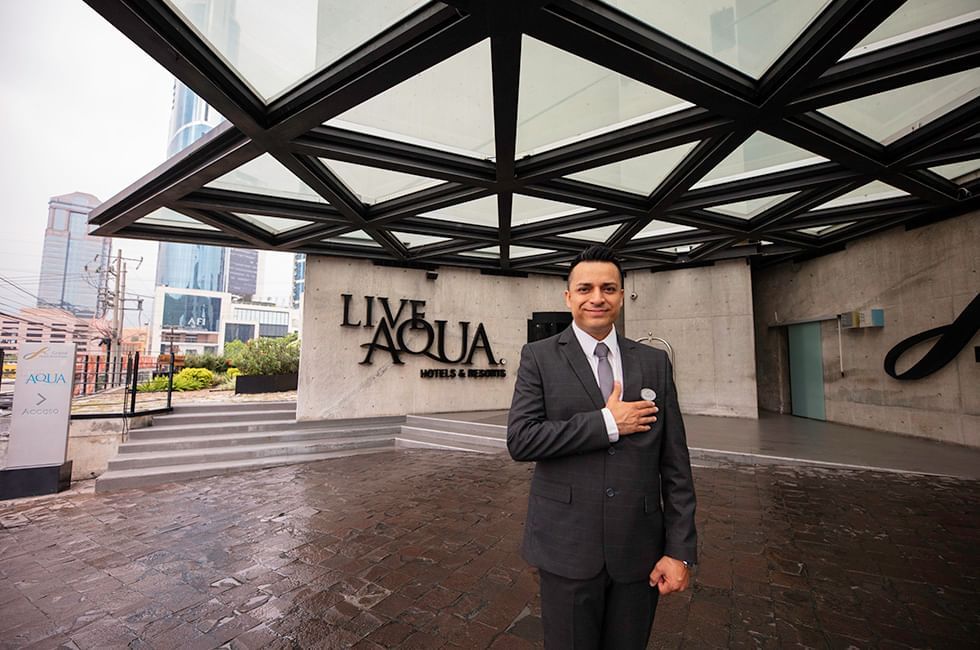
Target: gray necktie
605, 371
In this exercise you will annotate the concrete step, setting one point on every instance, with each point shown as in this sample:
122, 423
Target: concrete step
438, 423
206, 407
245, 452
139, 478
254, 438
417, 437
188, 430
221, 416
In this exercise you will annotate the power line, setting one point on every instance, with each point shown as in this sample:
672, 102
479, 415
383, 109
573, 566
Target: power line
18, 287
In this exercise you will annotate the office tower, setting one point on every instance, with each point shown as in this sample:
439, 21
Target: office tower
195, 266
299, 278
242, 273
70, 275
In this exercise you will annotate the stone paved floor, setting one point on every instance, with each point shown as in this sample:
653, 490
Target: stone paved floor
418, 549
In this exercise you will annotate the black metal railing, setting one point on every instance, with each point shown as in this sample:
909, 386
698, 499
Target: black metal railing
113, 387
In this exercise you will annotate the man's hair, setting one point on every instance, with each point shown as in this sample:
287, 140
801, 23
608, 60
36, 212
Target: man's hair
598, 253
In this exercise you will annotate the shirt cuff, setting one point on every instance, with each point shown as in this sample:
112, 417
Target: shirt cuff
611, 429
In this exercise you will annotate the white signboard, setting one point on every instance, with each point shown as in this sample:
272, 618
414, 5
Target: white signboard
42, 405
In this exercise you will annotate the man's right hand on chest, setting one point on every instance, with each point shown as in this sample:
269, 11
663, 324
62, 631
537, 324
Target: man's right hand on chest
631, 417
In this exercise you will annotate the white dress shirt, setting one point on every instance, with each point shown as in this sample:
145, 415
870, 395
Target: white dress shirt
588, 343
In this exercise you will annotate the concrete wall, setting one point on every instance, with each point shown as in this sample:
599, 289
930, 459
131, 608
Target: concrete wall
91, 443
922, 278
334, 384
705, 314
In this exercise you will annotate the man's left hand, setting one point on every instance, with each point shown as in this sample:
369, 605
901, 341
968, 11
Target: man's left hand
670, 575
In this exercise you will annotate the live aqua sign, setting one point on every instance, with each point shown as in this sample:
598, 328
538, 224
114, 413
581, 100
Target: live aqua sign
406, 331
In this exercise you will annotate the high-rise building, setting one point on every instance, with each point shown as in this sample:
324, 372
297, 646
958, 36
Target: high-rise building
70, 275
299, 278
243, 265
191, 266
195, 266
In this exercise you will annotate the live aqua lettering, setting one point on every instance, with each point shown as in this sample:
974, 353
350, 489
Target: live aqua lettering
392, 328
47, 378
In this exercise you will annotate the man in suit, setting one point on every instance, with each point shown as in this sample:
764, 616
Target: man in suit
610, 518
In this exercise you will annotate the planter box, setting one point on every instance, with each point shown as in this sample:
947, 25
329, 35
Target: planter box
266, 383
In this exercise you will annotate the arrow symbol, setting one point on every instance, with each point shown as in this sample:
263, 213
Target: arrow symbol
43, 399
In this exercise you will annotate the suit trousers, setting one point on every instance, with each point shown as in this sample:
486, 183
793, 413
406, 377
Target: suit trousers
596, 613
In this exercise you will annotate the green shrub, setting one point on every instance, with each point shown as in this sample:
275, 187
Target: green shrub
154, 385
203, 377
225, 382
186, 379
232, 373
216, 363
234, 351
265, 356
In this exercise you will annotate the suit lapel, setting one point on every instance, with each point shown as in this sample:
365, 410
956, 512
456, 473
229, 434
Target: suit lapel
569, 347
632, 372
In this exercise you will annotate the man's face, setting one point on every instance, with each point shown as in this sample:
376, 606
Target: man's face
595, 297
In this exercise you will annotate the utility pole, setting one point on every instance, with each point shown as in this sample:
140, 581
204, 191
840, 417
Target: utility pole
117, 312
117, 300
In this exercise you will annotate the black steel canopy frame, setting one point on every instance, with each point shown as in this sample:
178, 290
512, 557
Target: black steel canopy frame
728, 107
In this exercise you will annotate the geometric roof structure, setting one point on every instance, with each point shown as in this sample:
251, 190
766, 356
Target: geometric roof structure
503, 135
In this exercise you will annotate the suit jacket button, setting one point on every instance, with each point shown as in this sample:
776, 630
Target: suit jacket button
610, 492
612, 451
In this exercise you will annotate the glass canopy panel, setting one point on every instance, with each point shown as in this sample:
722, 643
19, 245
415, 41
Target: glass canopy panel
515, 252
914, 19
873, 191
640, 175
752, 207
600, 234
373, 185
826, 230
411, 240
960, 172
172, 219
274, 225
530, 209
748, 35
888, 116
656, 228
564, 98
758, 155
479, 212
267, 176
355, 237
273, 46
449, 106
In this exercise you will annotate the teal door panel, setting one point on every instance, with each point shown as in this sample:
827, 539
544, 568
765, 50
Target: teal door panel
806, 371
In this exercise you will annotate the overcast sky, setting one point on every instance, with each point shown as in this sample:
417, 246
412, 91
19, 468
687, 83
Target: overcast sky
81, 109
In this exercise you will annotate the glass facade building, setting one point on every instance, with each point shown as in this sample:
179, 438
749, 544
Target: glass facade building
242, 265
71, 278
299, 278
196, 266
191, 266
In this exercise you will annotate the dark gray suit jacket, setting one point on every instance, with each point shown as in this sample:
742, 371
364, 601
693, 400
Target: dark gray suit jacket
593, 502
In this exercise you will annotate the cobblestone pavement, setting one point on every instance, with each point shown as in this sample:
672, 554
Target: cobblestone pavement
418, 549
